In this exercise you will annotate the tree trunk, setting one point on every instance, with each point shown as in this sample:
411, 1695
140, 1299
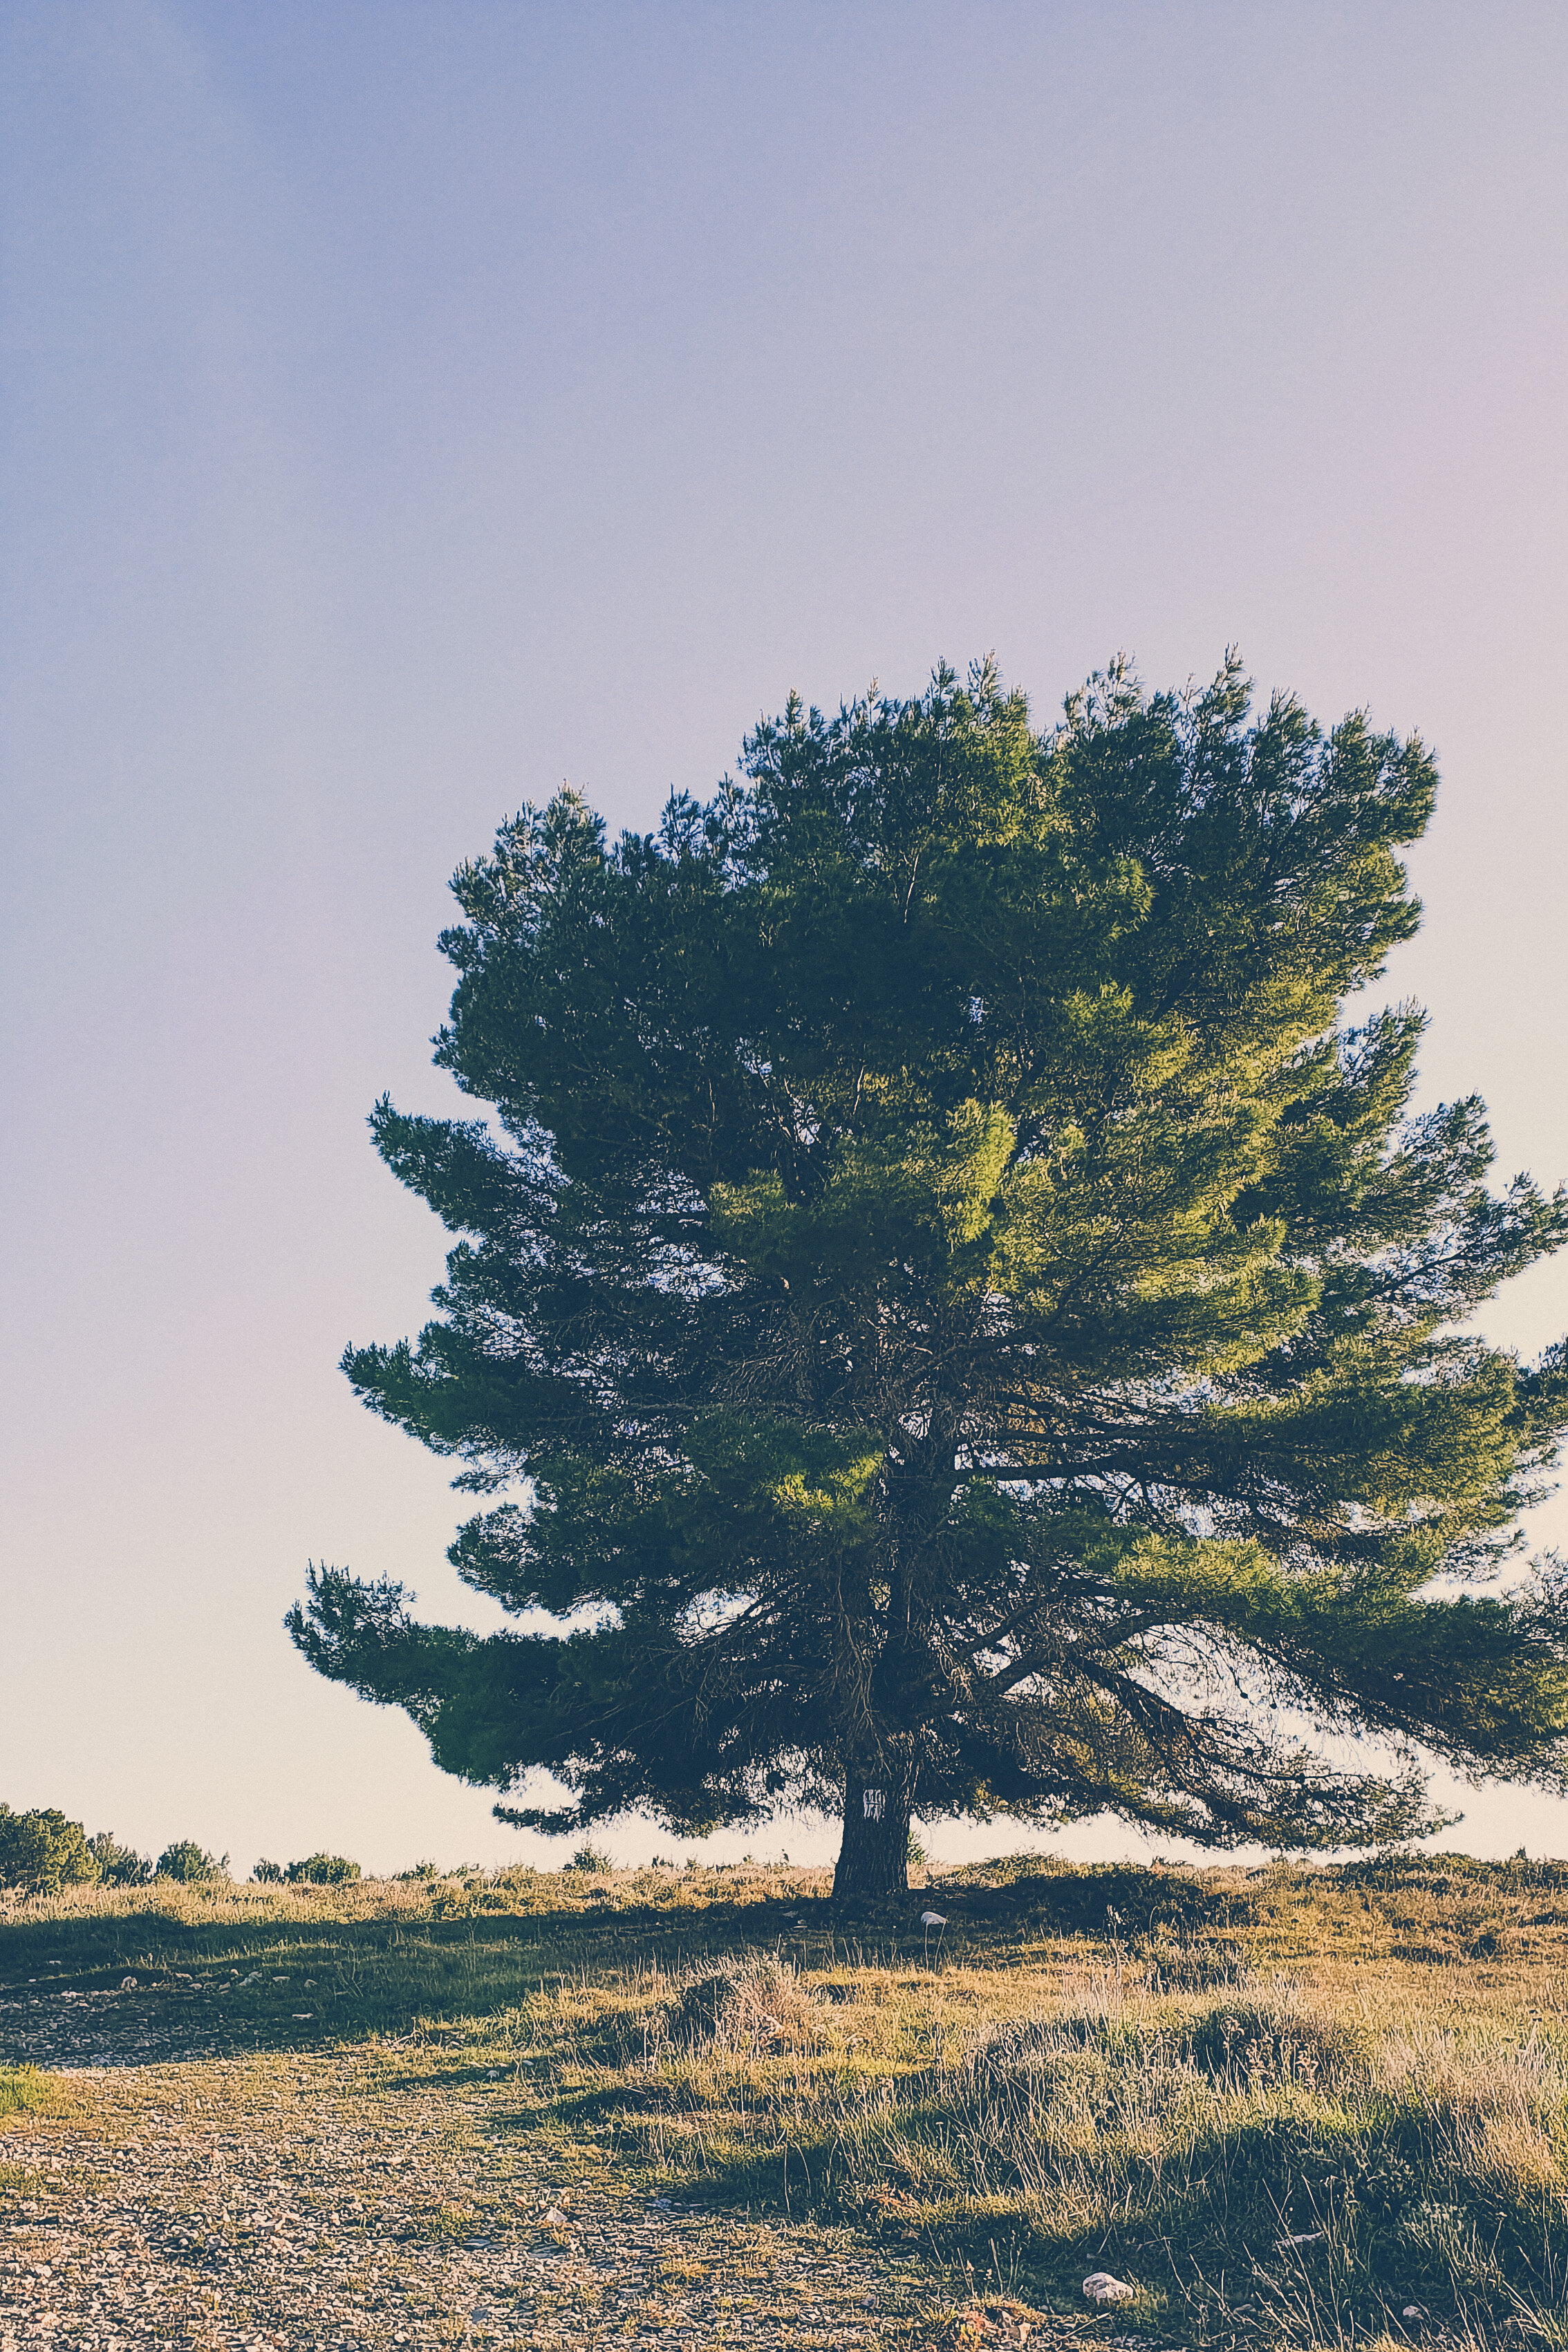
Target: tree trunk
874, 1859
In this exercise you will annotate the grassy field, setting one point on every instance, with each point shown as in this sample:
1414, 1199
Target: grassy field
1292, 2105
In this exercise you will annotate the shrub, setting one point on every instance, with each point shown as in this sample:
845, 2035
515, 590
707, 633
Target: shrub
190, 1863
268, 1874
589, 1858
42, 1851
323, 1870
119, 1865
422, 1870
1267, 2041
740, 2004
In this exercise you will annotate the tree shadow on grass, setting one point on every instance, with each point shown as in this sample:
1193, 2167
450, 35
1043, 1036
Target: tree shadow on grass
242, 1983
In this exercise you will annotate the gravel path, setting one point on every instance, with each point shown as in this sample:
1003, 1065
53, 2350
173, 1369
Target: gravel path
137, 2026
344, 2200
195, 2191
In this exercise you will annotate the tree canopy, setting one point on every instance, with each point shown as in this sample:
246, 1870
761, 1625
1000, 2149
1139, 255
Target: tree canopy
965, 1318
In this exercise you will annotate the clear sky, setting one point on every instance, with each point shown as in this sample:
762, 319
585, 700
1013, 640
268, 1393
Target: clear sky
408, 406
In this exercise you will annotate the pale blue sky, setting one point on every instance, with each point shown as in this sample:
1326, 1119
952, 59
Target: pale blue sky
407, 406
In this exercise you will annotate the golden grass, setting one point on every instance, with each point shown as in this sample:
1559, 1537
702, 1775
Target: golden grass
1293, 2102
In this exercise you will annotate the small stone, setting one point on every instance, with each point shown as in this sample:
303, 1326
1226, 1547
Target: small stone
1101, 2287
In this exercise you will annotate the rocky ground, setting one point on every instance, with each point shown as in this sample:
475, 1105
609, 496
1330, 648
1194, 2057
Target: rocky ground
188, 2193
235, 2202
138, 2024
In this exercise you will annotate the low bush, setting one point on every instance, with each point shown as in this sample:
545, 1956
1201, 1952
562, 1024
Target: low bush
1261, 2043
190, 1864
589, 1858
742, 2004
42, 1851
119, 1865
268, 1874
323, 1870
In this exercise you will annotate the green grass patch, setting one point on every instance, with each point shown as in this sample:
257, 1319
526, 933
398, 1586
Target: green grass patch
29, 2091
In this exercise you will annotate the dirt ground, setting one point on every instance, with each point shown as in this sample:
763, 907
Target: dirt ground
266, 2202
186, 2193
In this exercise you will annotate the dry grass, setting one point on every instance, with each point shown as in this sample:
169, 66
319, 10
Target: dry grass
1292, 2105
746, 2005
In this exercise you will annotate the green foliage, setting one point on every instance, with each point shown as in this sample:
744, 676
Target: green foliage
588, 1858
269, 1873
968, 1314
190, 1863
42, 1851
323, 1870
117, 1864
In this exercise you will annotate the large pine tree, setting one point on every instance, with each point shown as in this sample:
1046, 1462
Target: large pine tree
964, 1319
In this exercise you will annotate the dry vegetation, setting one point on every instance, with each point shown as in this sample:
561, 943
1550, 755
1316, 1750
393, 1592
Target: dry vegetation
1290, 2105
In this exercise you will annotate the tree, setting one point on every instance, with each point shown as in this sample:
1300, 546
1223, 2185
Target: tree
973, 1319
191, 1863
322, 1870
41, 1852
117, 1864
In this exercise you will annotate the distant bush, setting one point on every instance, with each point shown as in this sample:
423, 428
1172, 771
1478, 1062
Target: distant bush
119, 1865
589, 1858
190, 1863
323, 1870
422, 1870
42, 1851
268, 1874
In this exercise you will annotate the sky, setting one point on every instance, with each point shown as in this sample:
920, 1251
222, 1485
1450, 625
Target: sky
407, 408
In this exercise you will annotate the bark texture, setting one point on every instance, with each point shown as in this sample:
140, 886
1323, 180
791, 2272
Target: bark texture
874, 1859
